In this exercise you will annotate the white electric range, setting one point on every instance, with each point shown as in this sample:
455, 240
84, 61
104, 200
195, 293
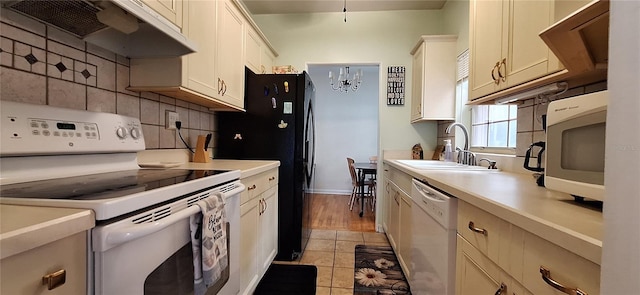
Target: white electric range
141, 244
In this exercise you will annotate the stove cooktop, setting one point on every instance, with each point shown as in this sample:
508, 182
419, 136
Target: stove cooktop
103, 185
115, 193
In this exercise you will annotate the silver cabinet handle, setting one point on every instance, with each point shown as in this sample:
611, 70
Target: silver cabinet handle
546, 277
477, 229
502, 288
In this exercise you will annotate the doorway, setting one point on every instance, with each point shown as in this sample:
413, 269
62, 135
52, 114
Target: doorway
347, 125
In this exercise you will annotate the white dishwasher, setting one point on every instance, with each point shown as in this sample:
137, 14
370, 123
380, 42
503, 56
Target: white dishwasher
434, 219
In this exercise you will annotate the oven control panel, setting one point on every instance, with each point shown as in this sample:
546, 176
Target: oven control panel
29, 129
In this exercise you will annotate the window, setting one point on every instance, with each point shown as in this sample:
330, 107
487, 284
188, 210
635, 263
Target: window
492, 126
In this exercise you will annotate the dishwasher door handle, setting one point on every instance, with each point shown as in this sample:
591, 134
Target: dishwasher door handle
428, 195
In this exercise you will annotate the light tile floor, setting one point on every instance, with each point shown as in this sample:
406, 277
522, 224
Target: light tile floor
333, 253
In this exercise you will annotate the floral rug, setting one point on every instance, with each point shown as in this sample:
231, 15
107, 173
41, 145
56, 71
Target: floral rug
377, 271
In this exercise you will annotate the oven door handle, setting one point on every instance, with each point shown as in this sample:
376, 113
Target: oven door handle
135, 231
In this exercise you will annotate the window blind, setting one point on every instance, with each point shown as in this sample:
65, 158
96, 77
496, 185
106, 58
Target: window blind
463, 65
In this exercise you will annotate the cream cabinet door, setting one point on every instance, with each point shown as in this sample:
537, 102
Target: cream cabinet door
170, 9
267, 60
249, 277
471, 278
394, 216
253, 50
486, 23
416, 82
565, 268
434, 78
528, 56
475, 273
269, 227
387, 202
404, 252
505, 49
200, 65
23, 273
229, 61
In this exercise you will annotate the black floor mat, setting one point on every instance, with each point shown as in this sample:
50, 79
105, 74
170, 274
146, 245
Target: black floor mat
285, 279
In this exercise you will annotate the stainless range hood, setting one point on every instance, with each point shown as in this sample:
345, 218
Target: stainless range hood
126, 27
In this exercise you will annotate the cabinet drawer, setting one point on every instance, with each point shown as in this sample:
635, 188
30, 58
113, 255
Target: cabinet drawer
257, 184
565, 267
401, 179
489, 232
22, 273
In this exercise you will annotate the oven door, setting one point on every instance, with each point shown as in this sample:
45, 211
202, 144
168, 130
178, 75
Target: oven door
132, 256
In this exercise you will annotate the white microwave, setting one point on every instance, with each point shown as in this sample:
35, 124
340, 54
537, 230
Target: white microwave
575, 145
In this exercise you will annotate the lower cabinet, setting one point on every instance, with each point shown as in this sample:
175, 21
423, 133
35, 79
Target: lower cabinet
476, 274
393, 230
397, 186
249, 214
496, 257
63, 261
259, 228
565, 269
268, 235
404, 249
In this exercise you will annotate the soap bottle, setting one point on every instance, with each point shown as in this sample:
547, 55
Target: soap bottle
448, 152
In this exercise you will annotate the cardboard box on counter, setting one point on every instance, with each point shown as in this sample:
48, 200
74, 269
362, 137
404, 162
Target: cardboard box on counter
288, 69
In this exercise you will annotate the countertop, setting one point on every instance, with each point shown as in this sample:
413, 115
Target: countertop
516, 198
23, 228
247, 167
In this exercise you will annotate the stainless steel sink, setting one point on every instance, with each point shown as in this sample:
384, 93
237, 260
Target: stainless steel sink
440, 165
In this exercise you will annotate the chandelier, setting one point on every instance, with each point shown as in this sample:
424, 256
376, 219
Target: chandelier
345, 81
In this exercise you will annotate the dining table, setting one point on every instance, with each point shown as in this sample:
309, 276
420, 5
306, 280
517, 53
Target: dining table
363, 170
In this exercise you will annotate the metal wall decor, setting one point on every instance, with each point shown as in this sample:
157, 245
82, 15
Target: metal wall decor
395, 85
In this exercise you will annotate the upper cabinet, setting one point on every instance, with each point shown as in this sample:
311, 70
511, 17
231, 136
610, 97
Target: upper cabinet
214, 75
517, 45
170, 9
505, 48
259, 55
229, 57
433, 78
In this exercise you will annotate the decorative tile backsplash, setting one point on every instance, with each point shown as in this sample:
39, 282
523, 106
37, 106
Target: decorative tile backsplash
43, 65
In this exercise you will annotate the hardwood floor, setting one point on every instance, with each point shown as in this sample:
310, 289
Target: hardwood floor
332, 212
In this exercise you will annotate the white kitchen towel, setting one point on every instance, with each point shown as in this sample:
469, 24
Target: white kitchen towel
209, 242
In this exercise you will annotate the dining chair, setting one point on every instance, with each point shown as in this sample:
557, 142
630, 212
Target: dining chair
355, 192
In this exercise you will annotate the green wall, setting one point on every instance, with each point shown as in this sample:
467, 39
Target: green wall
385, 38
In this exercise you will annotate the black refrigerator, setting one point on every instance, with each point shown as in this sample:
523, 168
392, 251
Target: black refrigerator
278, 125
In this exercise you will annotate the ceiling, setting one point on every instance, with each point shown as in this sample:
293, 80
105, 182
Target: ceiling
314, 6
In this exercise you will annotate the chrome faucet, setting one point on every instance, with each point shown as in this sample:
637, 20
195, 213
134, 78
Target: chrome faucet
465, 156
464, 130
